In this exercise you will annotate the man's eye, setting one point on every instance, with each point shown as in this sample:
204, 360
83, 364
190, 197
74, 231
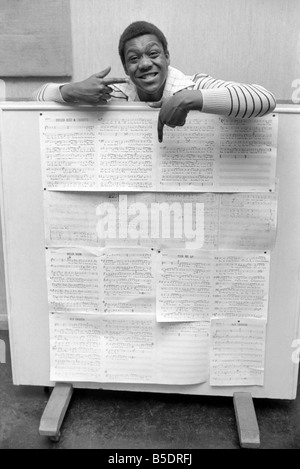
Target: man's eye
154, 54
133, 59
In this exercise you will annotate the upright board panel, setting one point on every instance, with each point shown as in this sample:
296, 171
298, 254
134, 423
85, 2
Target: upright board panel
24, 252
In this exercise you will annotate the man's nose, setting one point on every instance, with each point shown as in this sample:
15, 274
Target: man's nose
145, 62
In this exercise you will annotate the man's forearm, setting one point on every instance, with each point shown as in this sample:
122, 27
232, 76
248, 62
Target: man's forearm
49, 92
68, 93
234, 99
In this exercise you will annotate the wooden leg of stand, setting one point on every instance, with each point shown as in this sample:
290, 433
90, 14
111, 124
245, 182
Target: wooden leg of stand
55, 410
246, 420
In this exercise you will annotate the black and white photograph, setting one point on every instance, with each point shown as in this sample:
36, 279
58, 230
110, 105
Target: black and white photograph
150, 228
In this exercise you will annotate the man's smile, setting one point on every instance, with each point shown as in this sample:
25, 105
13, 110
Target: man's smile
148, 76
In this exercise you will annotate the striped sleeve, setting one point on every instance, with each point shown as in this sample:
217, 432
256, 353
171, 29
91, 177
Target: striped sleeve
49, 92
234, 99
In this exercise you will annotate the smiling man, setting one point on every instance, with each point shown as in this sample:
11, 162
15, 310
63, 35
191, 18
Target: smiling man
143, 49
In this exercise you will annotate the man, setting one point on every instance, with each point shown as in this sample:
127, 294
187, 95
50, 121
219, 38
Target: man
143, 49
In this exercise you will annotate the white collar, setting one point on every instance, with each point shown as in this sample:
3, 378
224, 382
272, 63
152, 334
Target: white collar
176, 81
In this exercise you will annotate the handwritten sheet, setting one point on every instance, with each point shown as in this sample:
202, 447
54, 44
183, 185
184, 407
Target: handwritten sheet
219, 154
68, 148
237, 352
73, 278
71, 217
94, 280
180, 285
128, 277
126, 152
241, 284
247, 220
208, 221
184, 285
127, 349
182, 273
119, 151
199, 285
98, 152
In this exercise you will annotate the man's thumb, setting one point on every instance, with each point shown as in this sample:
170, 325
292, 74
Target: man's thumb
103, 73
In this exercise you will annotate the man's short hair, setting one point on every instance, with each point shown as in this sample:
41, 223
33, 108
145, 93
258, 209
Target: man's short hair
139, 28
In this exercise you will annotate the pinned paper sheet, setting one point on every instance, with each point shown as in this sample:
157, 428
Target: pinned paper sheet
237, 351
180, 285
194, 285
241, 221
129, 348
112, 151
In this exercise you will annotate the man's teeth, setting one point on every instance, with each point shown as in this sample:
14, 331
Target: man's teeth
149, 75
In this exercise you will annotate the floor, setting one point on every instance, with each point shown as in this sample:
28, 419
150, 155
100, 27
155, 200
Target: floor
123, 420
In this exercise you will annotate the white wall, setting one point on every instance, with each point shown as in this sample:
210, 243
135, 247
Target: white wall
3, 312
256, 41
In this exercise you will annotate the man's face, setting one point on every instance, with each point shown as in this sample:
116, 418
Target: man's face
147, 63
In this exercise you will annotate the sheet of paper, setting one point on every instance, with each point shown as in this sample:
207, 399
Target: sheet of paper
247, 220
139, 219
214, 153
118, 151
182, 352
128, 278
126, 148
127, 349
107, 151
241, 284
206, 221
71, 218
194, 285
180, 285
68, 148
247, 156
101, 280
184, 285
73, 278
75, 347
237, 352
188, 154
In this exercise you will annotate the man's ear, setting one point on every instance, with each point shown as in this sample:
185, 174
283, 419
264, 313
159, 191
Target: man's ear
167, 55
125, 69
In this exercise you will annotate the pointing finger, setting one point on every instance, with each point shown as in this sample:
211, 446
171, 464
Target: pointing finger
160, 130
111, 81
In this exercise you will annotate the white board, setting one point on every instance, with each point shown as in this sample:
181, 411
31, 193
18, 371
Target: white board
24, 244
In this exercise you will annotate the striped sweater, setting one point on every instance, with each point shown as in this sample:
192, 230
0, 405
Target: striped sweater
231, 99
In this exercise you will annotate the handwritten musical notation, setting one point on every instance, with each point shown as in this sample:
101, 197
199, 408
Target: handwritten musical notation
127, 348
201, 285
180, 285
242, 221
237, 352
158, 301
119, 152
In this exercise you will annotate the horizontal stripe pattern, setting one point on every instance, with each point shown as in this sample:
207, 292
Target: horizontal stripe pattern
246, 100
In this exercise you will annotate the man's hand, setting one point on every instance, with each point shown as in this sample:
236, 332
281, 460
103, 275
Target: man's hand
93, 90
174, 110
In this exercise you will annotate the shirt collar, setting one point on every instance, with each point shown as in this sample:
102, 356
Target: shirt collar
176, 81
